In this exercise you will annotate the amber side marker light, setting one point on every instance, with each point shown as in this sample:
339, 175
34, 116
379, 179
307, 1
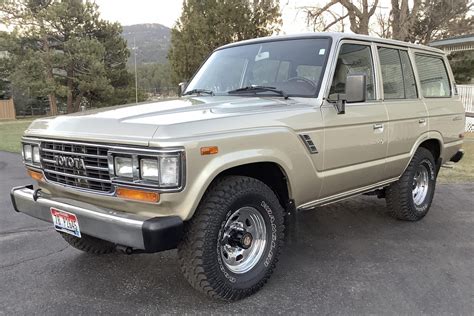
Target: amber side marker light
137, 195
209, 150
38, 176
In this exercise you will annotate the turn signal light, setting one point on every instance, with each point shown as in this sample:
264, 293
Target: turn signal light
137, 195
38, 176
209, 150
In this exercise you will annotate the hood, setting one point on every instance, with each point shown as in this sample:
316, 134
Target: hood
140, 123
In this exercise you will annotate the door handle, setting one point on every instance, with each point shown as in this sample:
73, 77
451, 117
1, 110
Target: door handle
378, 126
422, 121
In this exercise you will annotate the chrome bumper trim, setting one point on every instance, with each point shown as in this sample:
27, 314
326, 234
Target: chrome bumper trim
149, 234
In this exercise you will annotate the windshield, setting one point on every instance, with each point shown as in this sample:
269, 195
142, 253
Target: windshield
292, 66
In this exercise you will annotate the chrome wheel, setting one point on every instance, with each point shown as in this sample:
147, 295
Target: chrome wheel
420, 184
243, 240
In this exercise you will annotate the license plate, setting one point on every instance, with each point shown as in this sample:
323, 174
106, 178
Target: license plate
65, 222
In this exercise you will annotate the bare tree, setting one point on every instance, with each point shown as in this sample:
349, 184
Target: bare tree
358, 14
402, 18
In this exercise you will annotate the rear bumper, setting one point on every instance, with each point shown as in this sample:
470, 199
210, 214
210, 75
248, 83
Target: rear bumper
458, 156
125, 229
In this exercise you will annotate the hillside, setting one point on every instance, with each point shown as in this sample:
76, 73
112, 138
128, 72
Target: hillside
152, 41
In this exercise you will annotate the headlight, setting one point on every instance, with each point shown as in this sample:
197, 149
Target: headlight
149, 169
123, 167
169, 167
164, 170
31, 154
36, 154
27, 152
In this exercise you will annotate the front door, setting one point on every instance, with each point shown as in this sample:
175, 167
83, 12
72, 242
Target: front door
355, 142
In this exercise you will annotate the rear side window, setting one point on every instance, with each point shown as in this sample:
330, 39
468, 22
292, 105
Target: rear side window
433, 76
397, 74
408, 76
392, 74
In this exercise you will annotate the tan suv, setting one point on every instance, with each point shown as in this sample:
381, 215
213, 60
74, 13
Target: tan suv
265, 127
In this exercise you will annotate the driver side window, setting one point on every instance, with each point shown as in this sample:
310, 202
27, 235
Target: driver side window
353, 59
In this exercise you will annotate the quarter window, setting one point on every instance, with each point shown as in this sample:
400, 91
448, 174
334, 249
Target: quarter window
397, 74
433, 76
353, 59
408, 76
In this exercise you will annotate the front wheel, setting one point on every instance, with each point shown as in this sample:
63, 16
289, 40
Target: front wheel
410, 197
231, 244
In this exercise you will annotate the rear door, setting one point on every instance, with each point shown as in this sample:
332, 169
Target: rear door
406, 111
446, 113
355, 144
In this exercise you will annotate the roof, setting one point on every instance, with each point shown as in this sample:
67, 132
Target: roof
336, 36
463, 39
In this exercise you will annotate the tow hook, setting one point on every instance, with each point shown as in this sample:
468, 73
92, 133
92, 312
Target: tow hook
36, 194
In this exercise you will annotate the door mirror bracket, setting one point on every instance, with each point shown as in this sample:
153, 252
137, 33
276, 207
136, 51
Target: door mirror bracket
339, 102
182, 87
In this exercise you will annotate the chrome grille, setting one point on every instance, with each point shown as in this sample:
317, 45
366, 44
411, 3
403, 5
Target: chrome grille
95, 177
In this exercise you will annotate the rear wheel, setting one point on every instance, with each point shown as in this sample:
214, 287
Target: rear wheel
231, 244
410, 197
89, 244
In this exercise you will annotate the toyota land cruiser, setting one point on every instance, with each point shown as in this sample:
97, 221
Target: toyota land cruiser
266, 127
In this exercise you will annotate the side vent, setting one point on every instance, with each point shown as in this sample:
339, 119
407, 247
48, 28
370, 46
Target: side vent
309, 143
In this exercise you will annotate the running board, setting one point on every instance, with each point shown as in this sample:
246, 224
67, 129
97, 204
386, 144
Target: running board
345, 195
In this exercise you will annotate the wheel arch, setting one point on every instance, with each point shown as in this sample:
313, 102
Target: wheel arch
433, 141
270, 173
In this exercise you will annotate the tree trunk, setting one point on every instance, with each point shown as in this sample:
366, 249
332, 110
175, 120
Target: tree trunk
77, 103
70, 104
402, 20
53, 107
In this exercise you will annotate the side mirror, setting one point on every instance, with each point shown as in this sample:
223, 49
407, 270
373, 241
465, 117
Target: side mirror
182, 87
355, 91
356, 88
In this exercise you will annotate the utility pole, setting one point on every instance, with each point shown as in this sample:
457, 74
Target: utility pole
136, 75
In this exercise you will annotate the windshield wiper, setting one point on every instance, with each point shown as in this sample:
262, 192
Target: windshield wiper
199, 91
256, 88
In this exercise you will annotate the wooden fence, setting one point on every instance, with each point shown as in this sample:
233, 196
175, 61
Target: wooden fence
7, 110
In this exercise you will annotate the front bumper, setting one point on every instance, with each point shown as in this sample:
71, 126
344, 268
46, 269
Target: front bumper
125, 229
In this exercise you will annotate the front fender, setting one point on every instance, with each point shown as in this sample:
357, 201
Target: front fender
281, 146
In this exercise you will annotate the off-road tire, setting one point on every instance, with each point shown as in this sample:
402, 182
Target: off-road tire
89, 244
399, 197
199, 256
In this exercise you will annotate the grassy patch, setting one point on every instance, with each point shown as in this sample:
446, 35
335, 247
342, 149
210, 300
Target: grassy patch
462, 171
10, 134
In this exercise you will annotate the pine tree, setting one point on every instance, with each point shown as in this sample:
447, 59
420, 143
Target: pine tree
66, 51
205, 25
